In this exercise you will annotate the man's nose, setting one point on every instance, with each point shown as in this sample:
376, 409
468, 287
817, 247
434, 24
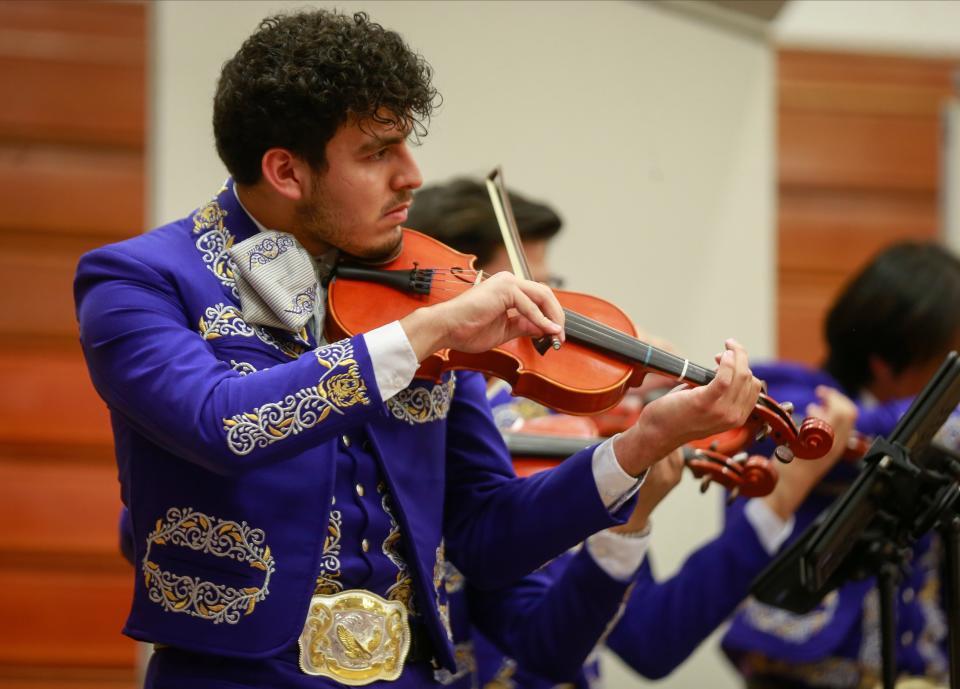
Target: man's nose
408, 174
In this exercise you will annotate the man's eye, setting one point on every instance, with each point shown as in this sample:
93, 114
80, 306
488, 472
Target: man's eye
379, 155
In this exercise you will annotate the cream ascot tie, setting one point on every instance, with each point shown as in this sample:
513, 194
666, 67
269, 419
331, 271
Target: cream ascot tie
277, 281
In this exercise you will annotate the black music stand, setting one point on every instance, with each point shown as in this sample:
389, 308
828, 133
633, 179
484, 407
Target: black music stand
908, 487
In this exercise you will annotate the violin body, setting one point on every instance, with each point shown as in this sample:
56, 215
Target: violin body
601, 380
543, 442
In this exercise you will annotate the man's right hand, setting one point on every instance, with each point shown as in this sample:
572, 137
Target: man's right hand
684, 415
501, 308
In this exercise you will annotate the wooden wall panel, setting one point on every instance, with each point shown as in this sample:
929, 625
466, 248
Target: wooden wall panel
72, 80
77, 612
55, 190
73, 72
54, 404
859, 168
821, 230
855, 151
74, 516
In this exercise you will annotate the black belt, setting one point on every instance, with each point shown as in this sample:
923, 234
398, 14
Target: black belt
421, 645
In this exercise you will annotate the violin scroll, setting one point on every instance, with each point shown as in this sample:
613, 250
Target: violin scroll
814, 439
752, 476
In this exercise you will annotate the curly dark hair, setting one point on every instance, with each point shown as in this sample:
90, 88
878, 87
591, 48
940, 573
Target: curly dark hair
298, 78
903, 307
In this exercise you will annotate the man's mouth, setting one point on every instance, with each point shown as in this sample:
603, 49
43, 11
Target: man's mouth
398, 213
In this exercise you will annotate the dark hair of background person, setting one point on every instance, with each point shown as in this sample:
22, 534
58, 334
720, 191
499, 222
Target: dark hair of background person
460, 215
300, 76
903, 307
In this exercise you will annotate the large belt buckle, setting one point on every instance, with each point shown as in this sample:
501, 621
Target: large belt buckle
354, 637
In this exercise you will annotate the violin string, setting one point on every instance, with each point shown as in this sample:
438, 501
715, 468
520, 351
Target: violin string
581, 326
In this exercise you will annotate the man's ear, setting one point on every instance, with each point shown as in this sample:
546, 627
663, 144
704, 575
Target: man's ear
286, 173
885, 383
881, 373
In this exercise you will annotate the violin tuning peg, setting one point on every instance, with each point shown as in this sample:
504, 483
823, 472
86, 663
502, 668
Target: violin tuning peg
763, 432
713, 446
740, 457
704, 484
787, 407
734, 494
784, 454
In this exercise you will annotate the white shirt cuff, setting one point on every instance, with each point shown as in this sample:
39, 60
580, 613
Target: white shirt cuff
770, 529
394, 361
619, 555
614, 484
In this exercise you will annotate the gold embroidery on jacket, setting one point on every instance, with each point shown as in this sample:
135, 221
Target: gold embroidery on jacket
422, 405
214, 242
439, 588
402, 588
787, 625
453, 580
218, 537
222, 320
328, 580
466, 666
504, 677
303, 409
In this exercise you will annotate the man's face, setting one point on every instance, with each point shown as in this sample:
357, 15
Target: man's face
359, 201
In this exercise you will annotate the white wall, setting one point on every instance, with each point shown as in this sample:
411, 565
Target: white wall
650, 131
919, 27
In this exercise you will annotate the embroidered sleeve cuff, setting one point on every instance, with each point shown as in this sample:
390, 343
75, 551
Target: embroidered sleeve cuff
614, 484
770, 529
619, 555
393, 359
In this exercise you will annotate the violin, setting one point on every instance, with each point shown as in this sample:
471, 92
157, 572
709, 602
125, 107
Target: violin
601, 359
541, 443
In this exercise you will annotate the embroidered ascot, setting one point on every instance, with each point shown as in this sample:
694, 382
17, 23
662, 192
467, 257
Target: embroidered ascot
277, 281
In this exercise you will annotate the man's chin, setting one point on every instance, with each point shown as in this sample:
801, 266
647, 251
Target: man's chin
385, 252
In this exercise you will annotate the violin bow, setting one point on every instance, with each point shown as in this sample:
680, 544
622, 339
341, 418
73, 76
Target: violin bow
497, 189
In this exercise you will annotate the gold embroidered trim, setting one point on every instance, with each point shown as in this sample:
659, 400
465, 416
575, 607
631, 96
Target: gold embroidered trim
440, 589
453, 580
214, 242
423, 405
504, 677
466, 666
328, 579
787, 625
402, 588
218, 537
303, 409
222, 320
934, 631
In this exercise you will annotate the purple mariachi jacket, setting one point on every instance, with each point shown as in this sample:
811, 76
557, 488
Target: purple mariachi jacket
652, 625
227, 436
838, 644
664, 622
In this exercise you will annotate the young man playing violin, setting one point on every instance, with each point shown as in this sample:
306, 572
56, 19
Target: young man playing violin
292, 500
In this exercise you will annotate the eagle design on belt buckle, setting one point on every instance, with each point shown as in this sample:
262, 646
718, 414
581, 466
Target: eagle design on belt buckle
354, 637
